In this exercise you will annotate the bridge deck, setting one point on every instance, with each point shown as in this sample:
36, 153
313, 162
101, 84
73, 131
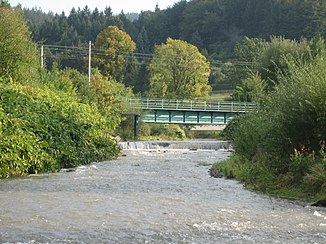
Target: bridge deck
190, 105
194, 112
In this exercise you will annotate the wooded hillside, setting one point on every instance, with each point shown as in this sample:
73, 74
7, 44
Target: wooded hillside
214, 26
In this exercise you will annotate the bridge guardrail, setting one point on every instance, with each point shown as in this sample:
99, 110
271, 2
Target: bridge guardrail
190, 105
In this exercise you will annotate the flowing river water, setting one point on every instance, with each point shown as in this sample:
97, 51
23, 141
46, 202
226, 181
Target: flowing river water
155, 193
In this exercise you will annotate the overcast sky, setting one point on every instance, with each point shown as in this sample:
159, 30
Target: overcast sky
57, 6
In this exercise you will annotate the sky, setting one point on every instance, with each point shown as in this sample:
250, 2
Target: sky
128, 6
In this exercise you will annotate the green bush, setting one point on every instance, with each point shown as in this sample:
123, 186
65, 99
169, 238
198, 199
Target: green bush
19, 56
126, 129
315, 181
198, 134
50, 119
21, 151
60, 80
43, 130
283, 143
144, 130
235, 167
167, 131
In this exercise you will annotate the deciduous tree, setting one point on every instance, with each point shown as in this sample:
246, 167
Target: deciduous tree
178, 70
18, 53
116, 44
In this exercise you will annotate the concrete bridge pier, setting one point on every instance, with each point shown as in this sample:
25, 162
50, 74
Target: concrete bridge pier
136, 122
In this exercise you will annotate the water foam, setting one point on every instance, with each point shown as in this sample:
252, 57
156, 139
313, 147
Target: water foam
175, 145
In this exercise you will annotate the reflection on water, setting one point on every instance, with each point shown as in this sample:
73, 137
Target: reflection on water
150, 197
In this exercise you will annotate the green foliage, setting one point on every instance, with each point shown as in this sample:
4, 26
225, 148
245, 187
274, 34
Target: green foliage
81, 86
126, 128
18, 53
318, 18
231, 168
303, 90
58, 80
314, 182
283, 143
194, 134
4, 3
111, 99
50, 119
162, 131
268, 62
111, 96
149, 131
250, 49
214, 27
273, 61
251, 135
293, 117
116, 44
145, 130
45, 130
21, 151
106, 94
251, 89
178, 70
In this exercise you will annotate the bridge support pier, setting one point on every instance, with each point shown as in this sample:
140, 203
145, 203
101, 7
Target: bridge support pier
136, 123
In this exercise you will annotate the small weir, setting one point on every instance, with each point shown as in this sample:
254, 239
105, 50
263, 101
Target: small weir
166, 145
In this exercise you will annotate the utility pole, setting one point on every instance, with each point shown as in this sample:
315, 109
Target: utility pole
89, 62
42, 56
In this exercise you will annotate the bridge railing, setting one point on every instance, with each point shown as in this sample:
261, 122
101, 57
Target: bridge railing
190, 105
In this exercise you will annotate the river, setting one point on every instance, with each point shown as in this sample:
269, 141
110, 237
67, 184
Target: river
151, 195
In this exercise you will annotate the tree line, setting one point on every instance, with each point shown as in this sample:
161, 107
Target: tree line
213, 26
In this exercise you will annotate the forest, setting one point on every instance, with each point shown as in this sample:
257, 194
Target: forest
213, 26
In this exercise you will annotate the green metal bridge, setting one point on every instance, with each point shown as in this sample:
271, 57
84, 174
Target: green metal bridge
191, 112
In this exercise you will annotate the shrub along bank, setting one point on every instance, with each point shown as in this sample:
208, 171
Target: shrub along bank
50, 119
281, 149
43, 130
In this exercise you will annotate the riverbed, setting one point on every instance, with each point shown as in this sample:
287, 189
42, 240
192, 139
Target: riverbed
150, 196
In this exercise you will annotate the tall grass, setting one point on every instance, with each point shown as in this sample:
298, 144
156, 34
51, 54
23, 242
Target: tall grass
282, 146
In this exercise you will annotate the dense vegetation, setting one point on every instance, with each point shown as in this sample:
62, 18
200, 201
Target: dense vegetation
213, 26
179, 71
280, 148
50, 119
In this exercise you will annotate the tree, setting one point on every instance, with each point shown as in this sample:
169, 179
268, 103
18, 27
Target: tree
264, 62
248, 54
178, 70
143, 44
18, 53
318, 17
4, 3
251, 89
273, 59
116, 44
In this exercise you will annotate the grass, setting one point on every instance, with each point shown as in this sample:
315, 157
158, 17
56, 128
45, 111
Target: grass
258, 178
220, 95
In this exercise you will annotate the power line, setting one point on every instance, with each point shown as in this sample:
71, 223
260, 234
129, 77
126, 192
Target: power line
96, 52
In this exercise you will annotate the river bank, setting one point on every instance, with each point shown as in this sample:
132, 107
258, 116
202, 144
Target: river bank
261, 179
